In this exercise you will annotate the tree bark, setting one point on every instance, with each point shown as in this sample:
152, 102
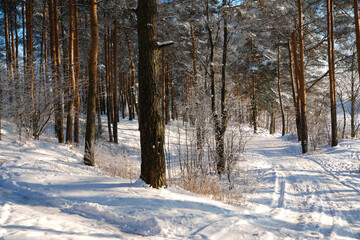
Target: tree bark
279, 91
163, 84
115, 88
77, 74
295, 95
224, 113
272, 119
151, 124
331, 61
108, 92
71, 82
59, 128
304, 127
89, 158
357, 31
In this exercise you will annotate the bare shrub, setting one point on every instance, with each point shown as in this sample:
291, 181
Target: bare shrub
197, 173
115, 162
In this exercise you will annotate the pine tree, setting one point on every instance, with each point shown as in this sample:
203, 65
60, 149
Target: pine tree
151, 124
89, 158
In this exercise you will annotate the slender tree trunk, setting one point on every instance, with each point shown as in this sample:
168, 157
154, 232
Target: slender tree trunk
131, 89
123, 95
59, 128
353, 97
91, 97
167, 92
115, 89
297, 80
357, 31
108, 92
71, 82
331, 60
272, 119
253, 93
294, 87
23, 32
77, 74
151, 124
280, 97
304, 127
224, 113
163, 84
98, 109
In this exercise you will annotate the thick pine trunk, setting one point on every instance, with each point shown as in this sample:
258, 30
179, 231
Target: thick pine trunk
151, 124
91, 97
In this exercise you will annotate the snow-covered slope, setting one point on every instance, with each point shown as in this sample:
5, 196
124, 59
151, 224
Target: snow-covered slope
47, 193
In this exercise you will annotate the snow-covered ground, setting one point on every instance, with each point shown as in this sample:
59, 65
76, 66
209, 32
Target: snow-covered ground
47, 193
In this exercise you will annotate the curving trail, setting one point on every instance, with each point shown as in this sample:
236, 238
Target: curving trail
299, 196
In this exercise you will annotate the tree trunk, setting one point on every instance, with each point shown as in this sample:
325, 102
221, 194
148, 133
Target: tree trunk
221, 130
123, 95
167, 92
151, 124
297, 80
295, 96
331, 60
77, 74
59, 128
253, 94
108, 92
91, 97
304, 128
163, 84
353, 97
279, 91
71, 83
272, 119
357, 30
115, 89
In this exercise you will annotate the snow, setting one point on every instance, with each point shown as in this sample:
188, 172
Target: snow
47, 193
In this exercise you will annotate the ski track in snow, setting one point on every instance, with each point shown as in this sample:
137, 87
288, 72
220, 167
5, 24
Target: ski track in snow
47, 193
308, 201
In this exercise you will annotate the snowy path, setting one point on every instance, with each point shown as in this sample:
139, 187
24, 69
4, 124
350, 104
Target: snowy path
299, 197
47, 193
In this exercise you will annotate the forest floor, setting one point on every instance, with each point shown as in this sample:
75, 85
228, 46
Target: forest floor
47, 193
